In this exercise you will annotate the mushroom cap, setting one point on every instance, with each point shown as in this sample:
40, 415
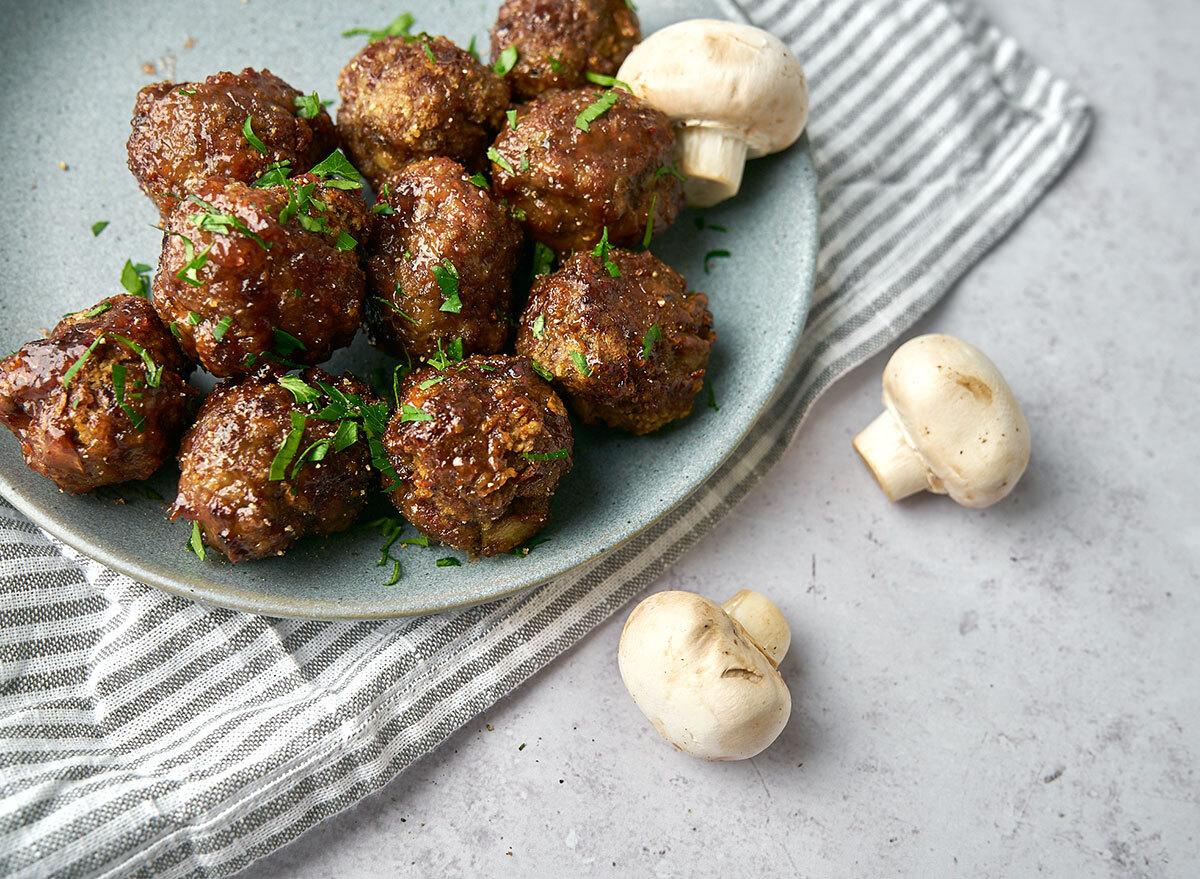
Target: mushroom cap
700, 679
709, 72
958, 413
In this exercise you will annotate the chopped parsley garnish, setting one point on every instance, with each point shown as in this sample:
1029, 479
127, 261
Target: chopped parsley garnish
409, 412
650, 222
479, 180
430, 382
194, 319
287, 344
539, 326
597, 109
471, 48
524, 167
98, 310
452, 354
494, 155
175, 331
395, 308
447, 279
543, 259
524, 550
188, 274
196, 542
251, 137
398, 27
222, 327
712, 398
212, 220
337, 171
188, 92
135, 277
518, 214
346, 242
309, 106
512, 118
542, 371
98, 227
301, 390
506, 61
675, 172
607, 81
546, 456
652, 336
581, 364
449, 562
415, 541
428, 50
153, 370
395, 578
78, 364
275, 175
713, 254
118, 379
291, 445
602, 252
554, 63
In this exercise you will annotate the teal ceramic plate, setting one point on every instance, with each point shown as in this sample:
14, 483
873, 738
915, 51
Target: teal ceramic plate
68, 75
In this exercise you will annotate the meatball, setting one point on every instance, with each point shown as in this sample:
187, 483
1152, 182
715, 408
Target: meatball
259, 469
441, 265
413, 98
102, 400
560, 41
235, 284
571, 184
184, 133
478, 450
627, 350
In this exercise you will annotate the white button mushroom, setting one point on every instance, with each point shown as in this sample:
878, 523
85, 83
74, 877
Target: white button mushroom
950, 425
733, 91
702, 678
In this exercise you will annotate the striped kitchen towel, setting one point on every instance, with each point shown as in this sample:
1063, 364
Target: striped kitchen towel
143, 734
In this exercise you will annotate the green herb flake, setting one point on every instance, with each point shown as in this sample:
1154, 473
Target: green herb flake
194, 319
542, 371
554, 63
546, 456
302, 391
275, 175
222, 327
428, 51
512, 118
175, 331
251, 137
395, 578
652, 336
98, 310
675, 172
345, 436
78, 364
212, 220
527, 547
195, 261
650, 222
335, 167
506, 61
430, 382
711, 255
99, 227
581, 364
471, 50
607, 81
408, 413
415, 541
196, 542
287, 451
543, 259
309, 106
286, 344
494, 155
602, 251
118, 378
539, 326
153, 370
188, 92
479, 180
135, 277
398, 27
597, 109
346, 242
712, 398
449, 562
447, 279
521, 747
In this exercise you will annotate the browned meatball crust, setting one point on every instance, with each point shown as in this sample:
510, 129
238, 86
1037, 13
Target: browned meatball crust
479, 471
446, 237
581, 320
115, 417
184, 133
226, 458
262, 280
571, 183
559, 41
399, 105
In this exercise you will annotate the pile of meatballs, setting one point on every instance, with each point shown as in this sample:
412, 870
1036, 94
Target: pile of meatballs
485, 178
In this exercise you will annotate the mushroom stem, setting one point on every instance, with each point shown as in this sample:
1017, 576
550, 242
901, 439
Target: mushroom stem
713, 158
763, 622
896, 465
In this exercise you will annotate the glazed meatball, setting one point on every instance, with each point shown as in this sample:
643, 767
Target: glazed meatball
629, 350
399, 104
560, 41
236, 285
478, 450
572, 184
102, 400
184, 133
441, 265
237, 479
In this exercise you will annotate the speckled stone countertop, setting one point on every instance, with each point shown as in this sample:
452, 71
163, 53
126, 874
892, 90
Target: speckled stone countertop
978, 694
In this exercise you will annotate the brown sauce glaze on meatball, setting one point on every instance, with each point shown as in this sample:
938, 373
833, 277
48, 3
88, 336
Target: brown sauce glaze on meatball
399, 105
581, 319
446, 236
72, 425
292, 280
225, 468
184, 133
572, 184
559, 41
466, 477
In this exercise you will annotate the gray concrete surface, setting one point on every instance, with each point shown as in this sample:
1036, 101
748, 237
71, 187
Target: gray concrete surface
982, 694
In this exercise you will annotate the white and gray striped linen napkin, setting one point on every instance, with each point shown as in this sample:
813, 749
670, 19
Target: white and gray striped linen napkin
143, 734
